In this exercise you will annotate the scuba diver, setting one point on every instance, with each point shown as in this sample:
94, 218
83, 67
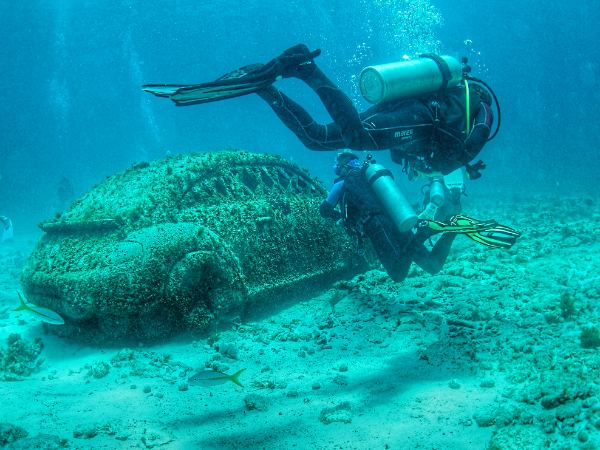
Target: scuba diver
432, 116
371, 205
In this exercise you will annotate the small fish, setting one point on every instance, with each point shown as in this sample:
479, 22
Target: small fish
214, 377
44, 314
6, 229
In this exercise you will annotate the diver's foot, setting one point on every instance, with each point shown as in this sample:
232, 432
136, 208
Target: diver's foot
298, 51
296, 61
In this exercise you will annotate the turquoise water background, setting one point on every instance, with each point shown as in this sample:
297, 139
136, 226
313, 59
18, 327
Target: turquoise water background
71, 70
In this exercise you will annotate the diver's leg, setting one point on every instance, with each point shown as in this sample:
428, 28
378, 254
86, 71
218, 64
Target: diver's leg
433, 261
338, 105
313, 135
389, 249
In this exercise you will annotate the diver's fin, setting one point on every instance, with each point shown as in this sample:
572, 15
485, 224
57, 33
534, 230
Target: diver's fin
162, 90
242, 81
499, 236
244, 71
489, 232
458, 224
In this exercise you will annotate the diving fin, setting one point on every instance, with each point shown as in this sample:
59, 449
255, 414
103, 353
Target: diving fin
499, 236
242, 81
163, 90
457, 224
489, 232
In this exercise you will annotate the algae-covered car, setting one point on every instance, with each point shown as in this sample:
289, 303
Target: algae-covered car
181, 243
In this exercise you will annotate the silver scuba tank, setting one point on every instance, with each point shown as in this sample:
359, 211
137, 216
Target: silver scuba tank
436, 198
436, 191
405, 79
387, 191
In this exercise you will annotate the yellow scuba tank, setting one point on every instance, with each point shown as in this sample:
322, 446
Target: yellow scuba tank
388, 193
405, 79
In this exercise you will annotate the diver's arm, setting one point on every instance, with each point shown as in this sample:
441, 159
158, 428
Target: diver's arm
327, 208
482, 124
328, 211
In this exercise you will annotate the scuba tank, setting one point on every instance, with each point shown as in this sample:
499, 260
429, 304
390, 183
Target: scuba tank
452, 184
388, 193
436, 192
404, 79
436, 198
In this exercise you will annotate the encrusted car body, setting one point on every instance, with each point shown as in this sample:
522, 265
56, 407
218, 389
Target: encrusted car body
184, 242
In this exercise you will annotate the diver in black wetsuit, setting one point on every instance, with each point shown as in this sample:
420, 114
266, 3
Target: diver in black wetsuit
364, 215
426, 133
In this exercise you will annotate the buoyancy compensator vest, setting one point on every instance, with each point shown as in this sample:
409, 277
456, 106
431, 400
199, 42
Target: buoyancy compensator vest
458, 107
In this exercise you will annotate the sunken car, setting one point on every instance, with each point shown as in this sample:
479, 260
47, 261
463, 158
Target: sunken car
183, 243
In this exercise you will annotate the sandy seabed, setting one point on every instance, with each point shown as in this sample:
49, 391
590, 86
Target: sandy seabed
498, 351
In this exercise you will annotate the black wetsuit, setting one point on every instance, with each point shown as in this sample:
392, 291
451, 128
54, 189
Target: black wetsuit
363, 213
425, 134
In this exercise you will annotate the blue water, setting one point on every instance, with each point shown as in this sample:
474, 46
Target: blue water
71, 70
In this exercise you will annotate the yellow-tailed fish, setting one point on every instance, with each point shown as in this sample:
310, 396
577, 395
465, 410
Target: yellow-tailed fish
213, 378
44, 314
